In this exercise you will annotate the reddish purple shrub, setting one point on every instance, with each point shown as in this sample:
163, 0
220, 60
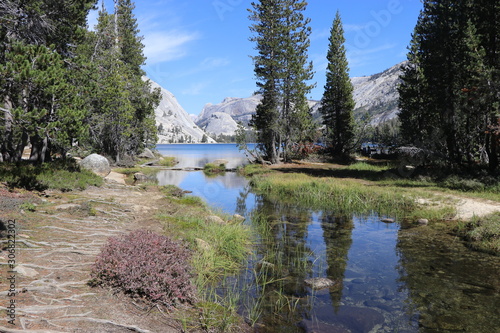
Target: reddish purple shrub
147, 265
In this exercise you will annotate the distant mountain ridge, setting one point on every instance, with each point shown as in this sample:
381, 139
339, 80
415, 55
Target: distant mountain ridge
174, 124
375, 95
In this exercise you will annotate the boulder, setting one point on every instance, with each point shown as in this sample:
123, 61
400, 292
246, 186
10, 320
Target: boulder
97, 164
215, 219
147, 153
238, 217
387, 220
423, 221
139, 176
203, 245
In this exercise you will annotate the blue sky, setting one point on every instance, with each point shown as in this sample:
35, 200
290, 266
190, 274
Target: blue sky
199, 49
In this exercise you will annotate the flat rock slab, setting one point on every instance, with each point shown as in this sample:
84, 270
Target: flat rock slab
25, 271
115, 177
67, 206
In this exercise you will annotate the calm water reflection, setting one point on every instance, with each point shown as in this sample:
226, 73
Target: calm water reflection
388, 279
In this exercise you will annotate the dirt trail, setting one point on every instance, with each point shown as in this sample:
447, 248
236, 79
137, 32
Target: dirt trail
56, 246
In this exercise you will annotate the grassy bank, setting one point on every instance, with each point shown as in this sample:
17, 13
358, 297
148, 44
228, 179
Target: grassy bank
363, 188
343, 196
221, 244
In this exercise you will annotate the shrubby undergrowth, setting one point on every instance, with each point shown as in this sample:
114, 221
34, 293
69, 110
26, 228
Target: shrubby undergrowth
146, 265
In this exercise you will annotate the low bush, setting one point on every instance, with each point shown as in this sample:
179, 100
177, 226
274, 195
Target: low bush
463, 184
63, 175
146, 265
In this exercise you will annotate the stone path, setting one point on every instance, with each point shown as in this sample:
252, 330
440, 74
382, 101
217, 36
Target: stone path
56, 246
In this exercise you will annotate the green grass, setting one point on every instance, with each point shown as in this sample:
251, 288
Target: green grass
253, 169
214, 169
167, 162
345, 196
482, 233
220, 249
59, 175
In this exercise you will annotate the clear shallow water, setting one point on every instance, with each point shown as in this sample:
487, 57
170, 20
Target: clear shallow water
388, 279
197, 155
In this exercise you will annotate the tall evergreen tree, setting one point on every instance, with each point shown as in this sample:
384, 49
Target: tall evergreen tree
122, 118
267, 29
282, 72
295, 114
446, 95
337, 104
40, 105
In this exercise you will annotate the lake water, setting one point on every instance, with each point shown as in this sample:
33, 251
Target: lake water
388, 278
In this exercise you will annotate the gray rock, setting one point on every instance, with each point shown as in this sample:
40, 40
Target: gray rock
67, 206
97, 164
146, 154
238, 217
202, 245
319, 283
215, 219
387, 220
423, 221
139, 176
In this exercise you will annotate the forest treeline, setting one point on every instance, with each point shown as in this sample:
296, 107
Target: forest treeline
62, 84
449, 95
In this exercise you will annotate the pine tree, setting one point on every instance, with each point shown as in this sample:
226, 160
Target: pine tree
131, 46
267, 15
122, 120
445, 99
337, 104
40, 105
282, 70
296, 118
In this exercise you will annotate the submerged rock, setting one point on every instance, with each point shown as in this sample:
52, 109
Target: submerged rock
97, 164
320, 283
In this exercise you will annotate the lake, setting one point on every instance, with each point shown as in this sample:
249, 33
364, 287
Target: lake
388, 278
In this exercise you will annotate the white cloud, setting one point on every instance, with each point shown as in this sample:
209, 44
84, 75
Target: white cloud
167, 45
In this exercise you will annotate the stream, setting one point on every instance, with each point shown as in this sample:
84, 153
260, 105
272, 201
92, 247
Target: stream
387, 278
